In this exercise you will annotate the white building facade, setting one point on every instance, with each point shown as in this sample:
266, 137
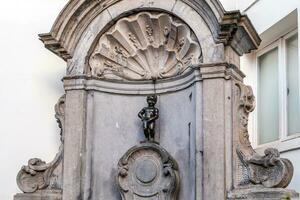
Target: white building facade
274, 74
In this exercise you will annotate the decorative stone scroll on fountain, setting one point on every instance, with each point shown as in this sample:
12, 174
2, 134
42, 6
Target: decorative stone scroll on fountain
147, 171
259, 177
39, 179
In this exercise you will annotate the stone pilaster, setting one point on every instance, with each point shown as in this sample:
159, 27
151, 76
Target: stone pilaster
74, 145
217, 124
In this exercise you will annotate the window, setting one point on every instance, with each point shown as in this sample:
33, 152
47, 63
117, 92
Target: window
293, 100
268, 107
278, 91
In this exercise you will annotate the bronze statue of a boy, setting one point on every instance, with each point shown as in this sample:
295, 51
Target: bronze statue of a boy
148, 115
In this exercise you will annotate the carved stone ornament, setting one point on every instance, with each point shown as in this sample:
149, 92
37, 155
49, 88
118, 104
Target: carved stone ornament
145, 46
268, 170
148, 172
39, 175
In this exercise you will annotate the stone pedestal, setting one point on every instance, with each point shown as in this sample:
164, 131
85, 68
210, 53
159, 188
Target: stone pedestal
187, 53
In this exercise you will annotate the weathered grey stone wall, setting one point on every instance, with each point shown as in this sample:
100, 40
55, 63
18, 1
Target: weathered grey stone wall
113, 127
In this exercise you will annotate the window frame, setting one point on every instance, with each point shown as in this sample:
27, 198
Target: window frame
285, 142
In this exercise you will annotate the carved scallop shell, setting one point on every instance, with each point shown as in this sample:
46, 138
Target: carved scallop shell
145, 46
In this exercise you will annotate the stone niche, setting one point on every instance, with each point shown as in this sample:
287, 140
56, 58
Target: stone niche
186, 52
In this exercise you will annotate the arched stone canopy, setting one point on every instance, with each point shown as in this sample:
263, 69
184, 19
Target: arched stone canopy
103, 22
89, 18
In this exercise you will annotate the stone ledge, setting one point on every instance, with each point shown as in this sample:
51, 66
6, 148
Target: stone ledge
40, 195
261, 193
167, 85
86, 82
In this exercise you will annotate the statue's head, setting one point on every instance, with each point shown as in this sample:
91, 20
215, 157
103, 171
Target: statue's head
151, 100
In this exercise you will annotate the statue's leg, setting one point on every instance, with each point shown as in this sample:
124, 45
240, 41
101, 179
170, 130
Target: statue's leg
145, 125
146, 130
146, 133
152, 131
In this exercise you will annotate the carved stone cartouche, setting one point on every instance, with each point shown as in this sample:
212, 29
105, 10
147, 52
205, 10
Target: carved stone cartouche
39, 175
269, 170
145, 46
148, 171
148, 115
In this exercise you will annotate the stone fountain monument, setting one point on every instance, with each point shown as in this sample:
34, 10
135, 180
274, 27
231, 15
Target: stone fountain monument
189, 141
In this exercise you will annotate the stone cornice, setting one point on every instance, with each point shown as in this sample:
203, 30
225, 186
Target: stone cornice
236, 29
239, 32
220, 70
54, 46
87, 82
233, 28
230, 28
199, 73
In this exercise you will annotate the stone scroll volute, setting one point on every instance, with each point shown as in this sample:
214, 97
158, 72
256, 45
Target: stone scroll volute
268, 170
39, 175
144, 46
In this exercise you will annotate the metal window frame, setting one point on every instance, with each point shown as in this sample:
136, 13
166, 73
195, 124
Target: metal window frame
285, 142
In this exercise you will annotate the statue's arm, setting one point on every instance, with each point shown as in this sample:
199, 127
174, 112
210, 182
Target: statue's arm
141, 113
156, 115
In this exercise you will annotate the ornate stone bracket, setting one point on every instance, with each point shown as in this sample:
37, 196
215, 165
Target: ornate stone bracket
148, 171
39, 175
269, 170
